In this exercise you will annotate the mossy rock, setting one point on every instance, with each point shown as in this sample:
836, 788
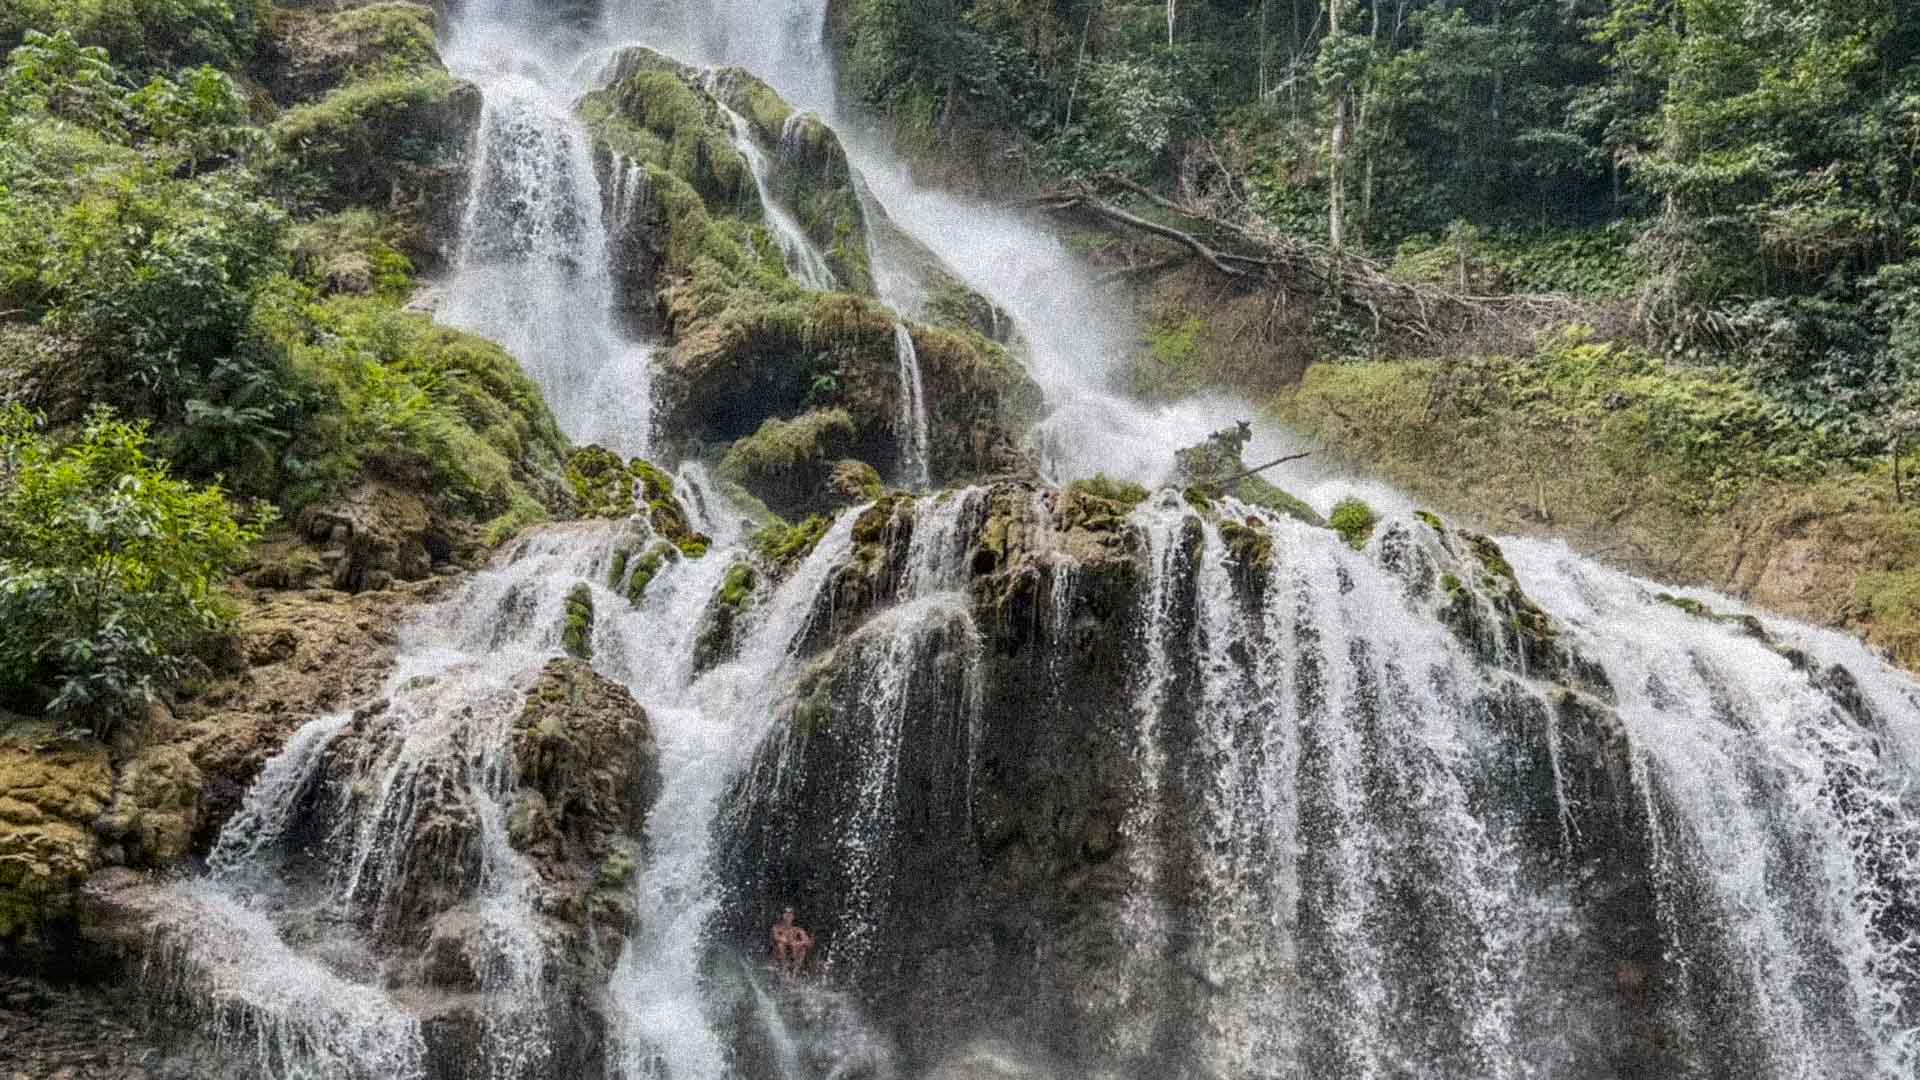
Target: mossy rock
784, 545
657, 112
1094, 506
1249, 552
1503, 586
576, 635
665, 512
601, 483
1354, 520
750, 347
647, 567
310, 52
853, 482
808, 174
736, 589
788, 463
398, 140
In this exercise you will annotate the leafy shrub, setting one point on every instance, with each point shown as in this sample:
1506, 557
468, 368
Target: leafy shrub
157, 280
149, 35
110, 569
393, 393
1354, 521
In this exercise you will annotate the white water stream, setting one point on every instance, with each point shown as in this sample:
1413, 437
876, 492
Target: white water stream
1326, 874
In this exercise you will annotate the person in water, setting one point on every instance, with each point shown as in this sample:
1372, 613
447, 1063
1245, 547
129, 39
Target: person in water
792, 945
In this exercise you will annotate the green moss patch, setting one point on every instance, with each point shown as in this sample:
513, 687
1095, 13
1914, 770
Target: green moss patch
1354, 520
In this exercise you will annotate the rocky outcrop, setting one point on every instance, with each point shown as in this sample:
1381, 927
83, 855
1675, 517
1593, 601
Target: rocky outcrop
309, 52
373, 119
966, 833
809, 174
50, 794
588, 775
606, 487
750, 347
584, 776
69, 809
376, 535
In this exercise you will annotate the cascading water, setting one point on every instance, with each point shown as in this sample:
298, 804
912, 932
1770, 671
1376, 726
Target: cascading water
533, 272
804, 260
915, 440
1181, 789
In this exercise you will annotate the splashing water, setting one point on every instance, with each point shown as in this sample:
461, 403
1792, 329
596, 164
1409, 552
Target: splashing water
804, 259
914, 438
533, 271
1376, 824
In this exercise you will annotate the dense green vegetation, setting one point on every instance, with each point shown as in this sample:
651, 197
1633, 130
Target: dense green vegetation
211, 212
1744, 169
1683, 474
111, 570
165, 252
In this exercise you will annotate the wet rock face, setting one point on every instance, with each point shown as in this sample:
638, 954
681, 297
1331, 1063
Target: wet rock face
373, 537
967, 809
585, 774
754, 359
588, 774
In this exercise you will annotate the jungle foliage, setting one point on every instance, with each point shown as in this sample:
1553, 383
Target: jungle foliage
112, 571
1742, 171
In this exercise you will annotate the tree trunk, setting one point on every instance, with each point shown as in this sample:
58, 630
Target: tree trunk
1899, 446
1337, 150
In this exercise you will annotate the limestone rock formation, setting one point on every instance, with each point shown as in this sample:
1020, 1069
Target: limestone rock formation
49, 798
757, 363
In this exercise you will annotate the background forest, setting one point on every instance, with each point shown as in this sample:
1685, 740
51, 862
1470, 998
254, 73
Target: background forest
1717, 196
1744, 169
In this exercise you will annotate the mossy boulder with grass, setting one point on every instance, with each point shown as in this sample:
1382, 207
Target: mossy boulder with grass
782, 546
308, 52
787, 463
665, 513
853, 482
397, 139
656, 112
602, 484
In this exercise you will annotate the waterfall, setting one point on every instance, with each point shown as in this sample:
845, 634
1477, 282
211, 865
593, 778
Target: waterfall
533, 271
803, 258
914, 449
1067, 784
706, 742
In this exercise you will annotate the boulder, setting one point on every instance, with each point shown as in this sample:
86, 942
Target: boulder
51, 792
376, 535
